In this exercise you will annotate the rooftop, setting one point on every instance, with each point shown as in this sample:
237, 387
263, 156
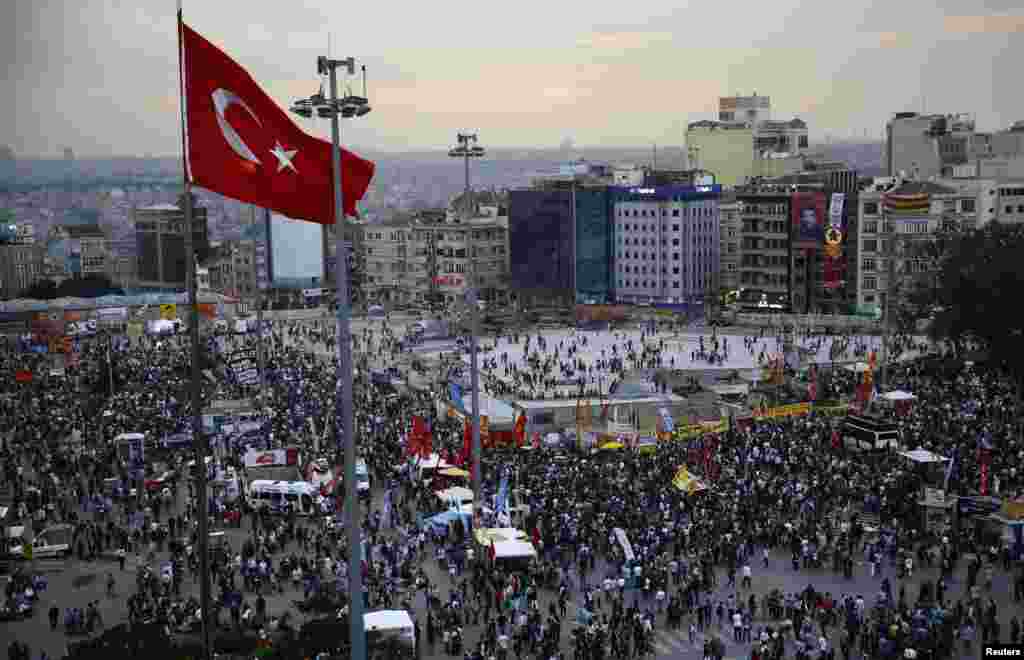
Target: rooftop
160, 207
81, 231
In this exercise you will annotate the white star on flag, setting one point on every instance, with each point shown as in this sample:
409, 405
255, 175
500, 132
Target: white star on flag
284, 158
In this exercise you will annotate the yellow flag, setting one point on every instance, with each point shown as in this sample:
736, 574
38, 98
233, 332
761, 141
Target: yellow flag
169, 312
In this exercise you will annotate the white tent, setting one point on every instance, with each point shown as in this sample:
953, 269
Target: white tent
920, 455
463, 495
898, 395
396, 622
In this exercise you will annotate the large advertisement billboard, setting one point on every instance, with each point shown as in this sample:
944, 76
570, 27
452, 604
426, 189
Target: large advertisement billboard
296, 253
808, 211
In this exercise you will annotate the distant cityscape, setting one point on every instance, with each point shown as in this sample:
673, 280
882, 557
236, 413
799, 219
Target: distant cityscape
550, 222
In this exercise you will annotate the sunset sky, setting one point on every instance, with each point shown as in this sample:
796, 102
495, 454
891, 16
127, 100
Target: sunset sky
101, 76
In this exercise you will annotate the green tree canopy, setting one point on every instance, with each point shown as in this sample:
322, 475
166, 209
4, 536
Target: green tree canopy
978, 294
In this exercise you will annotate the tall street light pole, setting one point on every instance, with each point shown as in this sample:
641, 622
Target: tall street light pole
468, 148
347, 107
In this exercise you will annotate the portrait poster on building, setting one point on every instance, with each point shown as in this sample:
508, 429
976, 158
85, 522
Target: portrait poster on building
808, 218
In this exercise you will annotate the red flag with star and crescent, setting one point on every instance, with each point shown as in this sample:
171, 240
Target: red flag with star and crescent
241, 144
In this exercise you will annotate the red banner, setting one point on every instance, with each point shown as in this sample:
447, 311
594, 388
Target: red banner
23, 376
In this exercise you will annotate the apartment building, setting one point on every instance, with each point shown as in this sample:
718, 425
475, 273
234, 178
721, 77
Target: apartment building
21, 265
731, 251
436, 256
900, 223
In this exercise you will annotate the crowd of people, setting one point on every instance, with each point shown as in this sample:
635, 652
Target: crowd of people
781, 497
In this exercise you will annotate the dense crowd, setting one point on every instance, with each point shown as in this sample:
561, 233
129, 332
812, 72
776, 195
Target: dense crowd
776, 491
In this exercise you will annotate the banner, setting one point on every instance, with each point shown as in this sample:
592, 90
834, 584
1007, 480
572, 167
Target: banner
207, 310
789, 410
903, 205
686, 482
23, 376
808, 219
243, 366
834, 234
627, 547
74, 315
168, 312
587, 313
269, 458
135, 329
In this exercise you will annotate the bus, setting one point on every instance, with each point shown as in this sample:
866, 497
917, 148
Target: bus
302, 496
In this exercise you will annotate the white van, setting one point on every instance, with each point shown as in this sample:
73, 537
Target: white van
389, 624
273, 495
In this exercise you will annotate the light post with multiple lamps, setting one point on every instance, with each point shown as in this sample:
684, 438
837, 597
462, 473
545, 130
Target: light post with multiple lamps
334, 108
466, 149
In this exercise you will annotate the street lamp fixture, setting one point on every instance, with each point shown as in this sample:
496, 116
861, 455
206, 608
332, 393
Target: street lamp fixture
333, 108
467, 148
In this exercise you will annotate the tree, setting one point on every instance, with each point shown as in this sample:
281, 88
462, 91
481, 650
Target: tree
978, 284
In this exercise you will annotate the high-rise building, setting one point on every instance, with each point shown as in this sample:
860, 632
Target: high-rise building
160, 235
666, 244
560, 241
746, 142
918, 146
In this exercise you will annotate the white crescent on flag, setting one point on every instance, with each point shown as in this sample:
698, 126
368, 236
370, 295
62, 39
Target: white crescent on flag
222, 100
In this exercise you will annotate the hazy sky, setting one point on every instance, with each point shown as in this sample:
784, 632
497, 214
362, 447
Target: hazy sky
101, 76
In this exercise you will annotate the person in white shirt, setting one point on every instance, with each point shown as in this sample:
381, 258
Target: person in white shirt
737, 626
747, 575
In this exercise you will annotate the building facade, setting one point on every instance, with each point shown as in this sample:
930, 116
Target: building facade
542, 252
232, 268
731, 251
900, 227
724, 149
160, 235
437, 257
666, 243
21, 266
765, 264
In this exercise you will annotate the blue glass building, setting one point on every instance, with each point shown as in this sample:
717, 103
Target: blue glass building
560, 243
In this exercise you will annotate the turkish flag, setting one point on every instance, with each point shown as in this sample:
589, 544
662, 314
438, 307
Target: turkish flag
241, 144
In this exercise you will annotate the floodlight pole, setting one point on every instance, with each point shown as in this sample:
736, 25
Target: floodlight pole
465, 150
344, 420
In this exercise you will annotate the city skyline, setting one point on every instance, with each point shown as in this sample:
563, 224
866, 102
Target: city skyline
600, 78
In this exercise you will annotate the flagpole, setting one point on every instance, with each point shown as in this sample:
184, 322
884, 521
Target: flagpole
198, 442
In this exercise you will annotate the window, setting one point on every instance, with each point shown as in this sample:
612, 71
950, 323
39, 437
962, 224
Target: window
871, 245
675, 242
1009, 208
870, 283
870, 227
675, 256
675, 214
869, 299
870, 208
868, 265
675, 227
